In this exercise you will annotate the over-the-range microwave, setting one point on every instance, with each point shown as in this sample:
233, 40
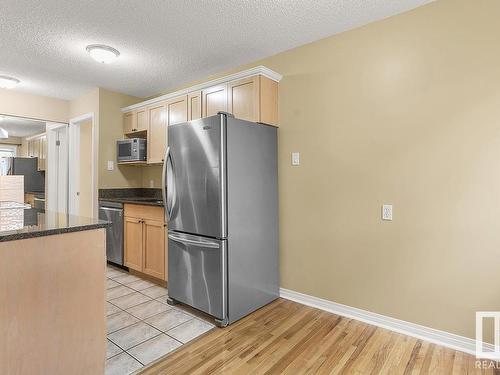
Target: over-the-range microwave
133, 149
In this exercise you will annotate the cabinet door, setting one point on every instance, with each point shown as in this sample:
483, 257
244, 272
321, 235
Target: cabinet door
157, 133
42, 159
177, 110
35, 147
194, 106
133, 243
154, 249
214, 99
30, 149
142, 120
243, 98
129, 120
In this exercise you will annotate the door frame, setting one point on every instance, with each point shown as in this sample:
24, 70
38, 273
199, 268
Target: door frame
52, 164
74, 164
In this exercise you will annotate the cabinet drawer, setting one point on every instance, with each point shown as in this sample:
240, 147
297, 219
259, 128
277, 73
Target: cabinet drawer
144, 212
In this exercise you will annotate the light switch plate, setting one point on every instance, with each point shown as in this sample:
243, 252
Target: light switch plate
295, 158
387, 212
111, 165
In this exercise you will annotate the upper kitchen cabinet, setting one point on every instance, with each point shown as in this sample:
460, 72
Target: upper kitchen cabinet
177, 110
157, 133
254, 99
42, 155
136, 121
129, 122
160, 116
194, 105
249, 95
142, 120
37, 148
214, 100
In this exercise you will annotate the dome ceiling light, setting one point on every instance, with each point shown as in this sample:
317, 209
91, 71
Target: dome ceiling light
7, 82
103, 54
4, 134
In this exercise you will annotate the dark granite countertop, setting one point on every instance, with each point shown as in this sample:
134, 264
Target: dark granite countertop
144, 196
136, 200
21, 223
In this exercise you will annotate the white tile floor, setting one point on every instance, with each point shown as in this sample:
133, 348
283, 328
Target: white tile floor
141, 326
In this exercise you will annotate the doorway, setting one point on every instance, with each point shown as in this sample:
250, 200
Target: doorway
82, 166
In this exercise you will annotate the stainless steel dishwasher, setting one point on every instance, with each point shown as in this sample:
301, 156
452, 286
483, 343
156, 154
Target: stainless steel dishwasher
113, 211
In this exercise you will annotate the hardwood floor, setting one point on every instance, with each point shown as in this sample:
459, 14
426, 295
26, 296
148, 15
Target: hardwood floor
288, 338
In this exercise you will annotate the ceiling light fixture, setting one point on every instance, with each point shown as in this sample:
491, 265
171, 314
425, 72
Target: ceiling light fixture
7, 82
4, 134
103, 54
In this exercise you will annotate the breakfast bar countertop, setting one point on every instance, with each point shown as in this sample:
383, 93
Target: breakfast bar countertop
18, 222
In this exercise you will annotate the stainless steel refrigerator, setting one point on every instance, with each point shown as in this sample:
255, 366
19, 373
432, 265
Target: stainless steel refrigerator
34, 180
220, 189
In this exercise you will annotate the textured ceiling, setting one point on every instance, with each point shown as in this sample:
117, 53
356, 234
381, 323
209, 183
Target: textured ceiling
163, 43
20, 127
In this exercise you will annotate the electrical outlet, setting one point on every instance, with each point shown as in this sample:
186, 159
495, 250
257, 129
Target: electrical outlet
151, 183
387, 212
111, 165
295, 158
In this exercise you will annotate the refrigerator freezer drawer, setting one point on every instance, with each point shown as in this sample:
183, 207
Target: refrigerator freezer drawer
197, 272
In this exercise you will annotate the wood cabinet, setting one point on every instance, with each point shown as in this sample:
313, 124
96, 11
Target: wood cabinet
29, 199
154, 248
214, 100
142, 120
177, 110
157, 133
145, 240
37, 148
42, 153
254, 99
194, 105
129, 122
249, 95
135, 121
133, 243
160, 116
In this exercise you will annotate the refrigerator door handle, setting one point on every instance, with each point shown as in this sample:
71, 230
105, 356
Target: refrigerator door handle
206, 244
172, 192
164, 183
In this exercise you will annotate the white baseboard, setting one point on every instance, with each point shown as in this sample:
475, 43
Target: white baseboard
449, 340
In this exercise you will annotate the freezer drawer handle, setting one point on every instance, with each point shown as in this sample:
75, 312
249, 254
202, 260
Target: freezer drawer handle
211, 245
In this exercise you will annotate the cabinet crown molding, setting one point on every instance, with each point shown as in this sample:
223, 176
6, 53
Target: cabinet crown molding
262, 70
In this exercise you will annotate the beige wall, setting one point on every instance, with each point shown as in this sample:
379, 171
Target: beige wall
111, 129
20, 104
88, 103
404, 111
151, 176
108, 119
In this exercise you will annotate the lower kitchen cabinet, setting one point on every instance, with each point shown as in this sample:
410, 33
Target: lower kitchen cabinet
154, 245
133, 243
145, 240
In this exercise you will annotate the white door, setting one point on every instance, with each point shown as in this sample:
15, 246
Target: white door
81, 197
